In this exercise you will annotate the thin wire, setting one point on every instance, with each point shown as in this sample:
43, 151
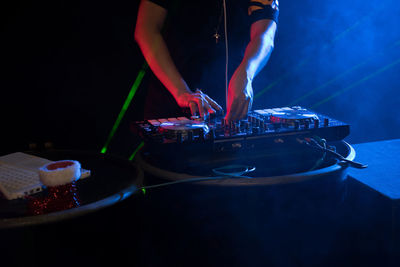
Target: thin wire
222, 170
200, 179
197, 179
226, 56
351, 163
322, 159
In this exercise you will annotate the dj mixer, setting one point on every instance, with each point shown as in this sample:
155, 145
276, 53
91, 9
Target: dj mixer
261, 129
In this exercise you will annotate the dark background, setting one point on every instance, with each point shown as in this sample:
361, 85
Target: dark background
68, 67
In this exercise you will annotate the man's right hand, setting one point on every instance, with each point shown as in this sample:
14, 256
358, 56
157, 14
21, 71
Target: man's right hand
150, 21
199, 103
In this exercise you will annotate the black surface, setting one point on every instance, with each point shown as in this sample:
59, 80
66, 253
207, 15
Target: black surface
112, 179
303, 224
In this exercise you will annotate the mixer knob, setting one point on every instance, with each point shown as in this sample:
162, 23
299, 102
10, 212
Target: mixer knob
214, 115
246, 126
241, 125
196, 117
252, 119
316, 123
326, 122
190, 136
179, 138
212, 134
227, 125
258, 122
237, 127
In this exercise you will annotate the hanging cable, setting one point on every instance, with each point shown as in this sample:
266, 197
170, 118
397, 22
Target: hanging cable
226, 55
222, 171
312, 143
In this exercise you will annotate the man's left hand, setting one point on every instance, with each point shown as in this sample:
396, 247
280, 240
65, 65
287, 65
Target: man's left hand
240, 96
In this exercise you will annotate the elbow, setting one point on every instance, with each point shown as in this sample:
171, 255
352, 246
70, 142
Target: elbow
137, 35
143, 37
140, 34
272, 45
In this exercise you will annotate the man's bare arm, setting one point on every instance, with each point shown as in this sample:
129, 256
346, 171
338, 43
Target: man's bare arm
258, 51
148, 29
150, 21
260, 47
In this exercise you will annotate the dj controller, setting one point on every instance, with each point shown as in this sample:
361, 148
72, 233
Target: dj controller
276, 141
261, 129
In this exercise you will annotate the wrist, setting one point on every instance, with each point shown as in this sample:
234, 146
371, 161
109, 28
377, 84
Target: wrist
180, 90
245, 71
179, 93
182, 96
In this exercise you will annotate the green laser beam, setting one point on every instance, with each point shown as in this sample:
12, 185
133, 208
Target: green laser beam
125, 106
326, 46
279, 79
327, 83
385, 68
136, 151
349, 29
271, 85
296, 101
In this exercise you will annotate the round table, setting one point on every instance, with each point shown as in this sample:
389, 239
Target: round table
112, 180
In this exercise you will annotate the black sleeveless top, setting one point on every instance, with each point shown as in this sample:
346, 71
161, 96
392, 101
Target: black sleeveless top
190, 33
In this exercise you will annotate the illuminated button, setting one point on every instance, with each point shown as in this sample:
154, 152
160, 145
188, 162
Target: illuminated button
162, 120
326, 122
154, 122
182, 118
